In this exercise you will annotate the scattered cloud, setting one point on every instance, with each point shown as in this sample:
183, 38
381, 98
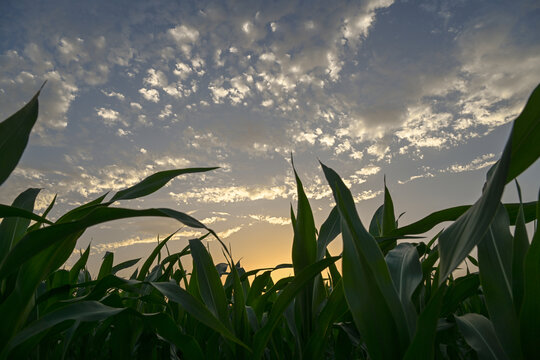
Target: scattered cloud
150, 94
271, 219
476, 164
232, 194
115, 94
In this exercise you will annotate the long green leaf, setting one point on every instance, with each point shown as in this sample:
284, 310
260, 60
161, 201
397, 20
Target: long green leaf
480, 335
530, 311
526, 137
495, 263
81, 311
388, 217
146, 266
330, 229
36, 241
304, 249
7, 211
457, 241
14, 133
154, 182
520, 247
13, 228
38, 224
124, 265
106, 265
196, 309
451, 214
369, 290
80, 264
210, 285
406, 272
304, 253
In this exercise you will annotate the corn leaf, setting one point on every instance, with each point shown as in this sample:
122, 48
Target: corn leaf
330, 229
7, 211
479, 333
106, 265
520, 247
388, 217
154, 182
529, 316
495, 263
81, 311
80, 264
146, 266
124, 265
369, 290
525, 137
13, 228
196, 309
210, 286
14, 133
406, 272
38, 224
36, 241
457, 241
451, 214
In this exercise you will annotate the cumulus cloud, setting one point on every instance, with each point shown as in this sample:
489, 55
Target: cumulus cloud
109, 115
135, 105
150, 94
368, 170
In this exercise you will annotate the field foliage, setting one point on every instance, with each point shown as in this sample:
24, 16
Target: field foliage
395, 297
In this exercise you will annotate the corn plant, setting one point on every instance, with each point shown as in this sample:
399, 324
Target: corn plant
396, 297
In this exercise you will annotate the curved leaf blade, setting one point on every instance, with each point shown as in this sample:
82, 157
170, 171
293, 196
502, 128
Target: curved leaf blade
369, 290
14, 134
406, 272
479, 333
495, 263
154, 182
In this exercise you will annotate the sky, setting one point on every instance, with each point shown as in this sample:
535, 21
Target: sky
422, 92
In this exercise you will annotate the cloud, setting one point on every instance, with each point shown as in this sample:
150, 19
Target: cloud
271, 219
415, 177
477, 163
135, 105
232, 194
366, 195
23, 74
109, 115
166, 112
115, 94
156, 78
150, 94
368, 170
226, 233
137, 240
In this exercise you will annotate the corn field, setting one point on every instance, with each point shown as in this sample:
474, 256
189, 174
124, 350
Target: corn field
395, 297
